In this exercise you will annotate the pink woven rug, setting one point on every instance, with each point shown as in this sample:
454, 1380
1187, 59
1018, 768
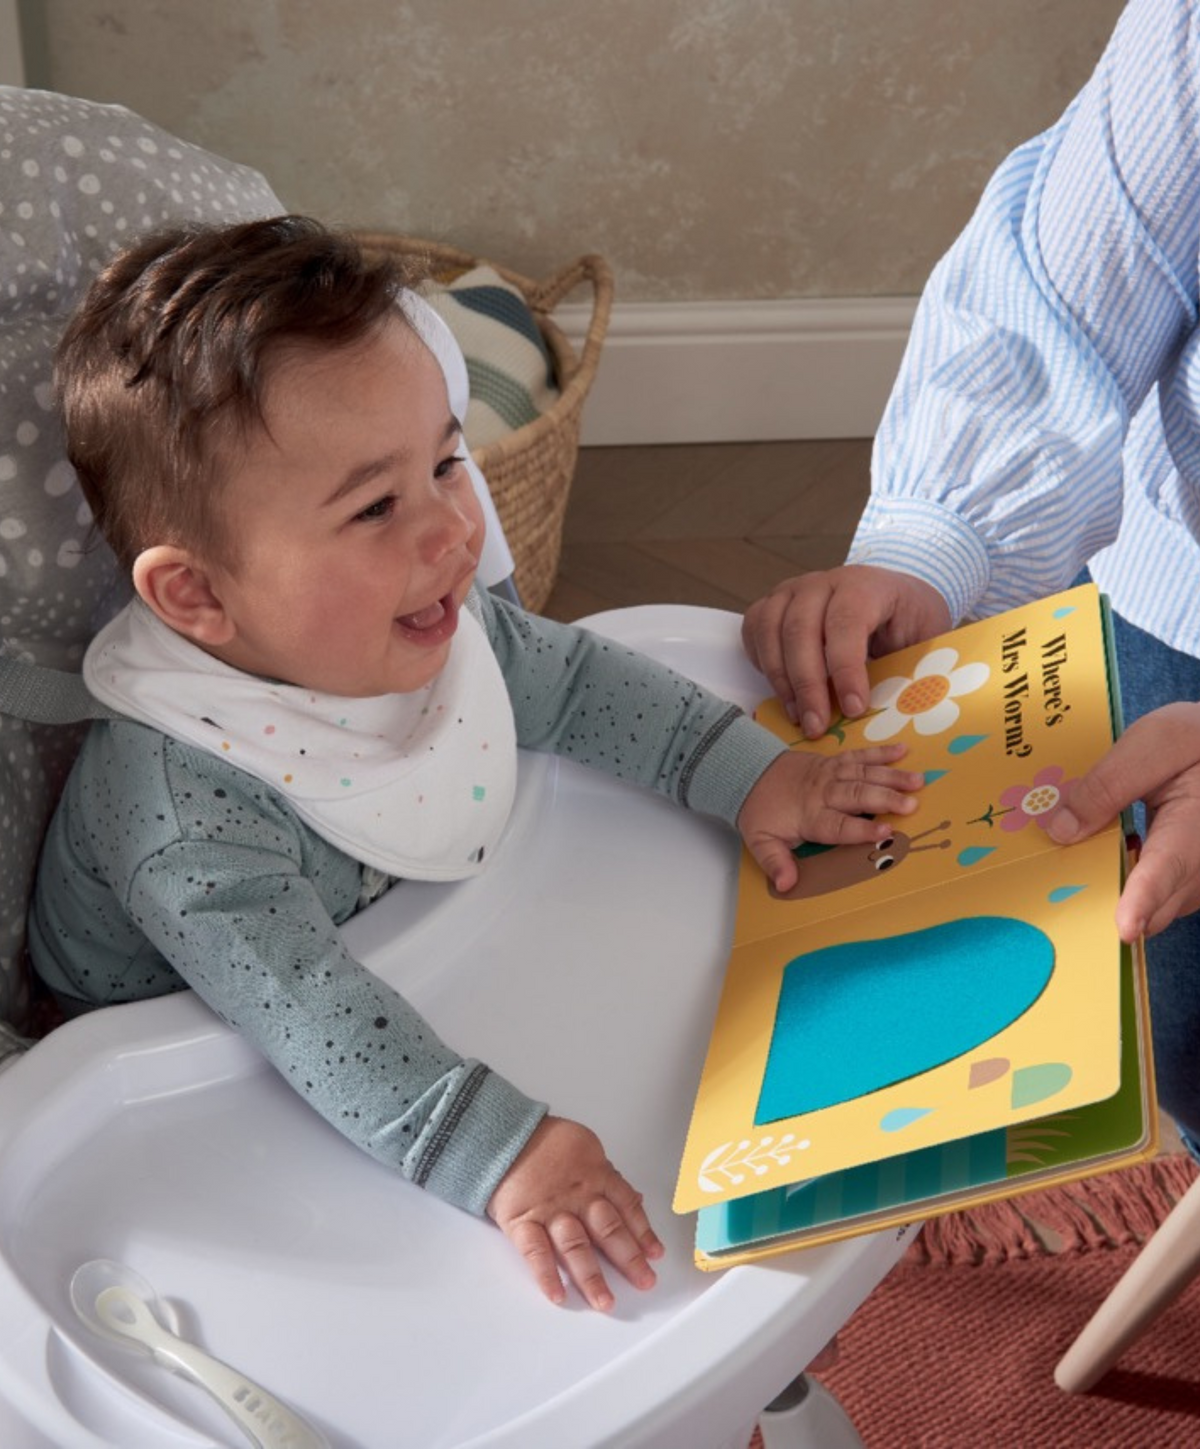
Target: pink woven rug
957, 1348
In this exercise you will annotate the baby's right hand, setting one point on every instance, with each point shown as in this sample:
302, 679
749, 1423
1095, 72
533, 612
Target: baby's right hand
560, 1201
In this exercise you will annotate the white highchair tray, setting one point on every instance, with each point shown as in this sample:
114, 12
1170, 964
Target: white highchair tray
585, 965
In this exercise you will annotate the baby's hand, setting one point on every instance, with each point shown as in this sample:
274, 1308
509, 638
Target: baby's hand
560, 1201
822, 798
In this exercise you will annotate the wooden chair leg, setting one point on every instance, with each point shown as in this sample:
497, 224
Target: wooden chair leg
1156, 1277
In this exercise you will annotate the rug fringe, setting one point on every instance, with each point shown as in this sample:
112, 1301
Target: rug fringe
1108, 1211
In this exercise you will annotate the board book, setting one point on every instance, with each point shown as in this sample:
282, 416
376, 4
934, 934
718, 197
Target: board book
948, 1016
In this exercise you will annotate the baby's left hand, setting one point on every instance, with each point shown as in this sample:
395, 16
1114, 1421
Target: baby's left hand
822, 798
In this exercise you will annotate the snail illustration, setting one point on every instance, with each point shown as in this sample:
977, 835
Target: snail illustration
825, 868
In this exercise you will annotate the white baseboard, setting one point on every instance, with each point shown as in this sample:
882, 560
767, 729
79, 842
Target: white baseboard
710, 372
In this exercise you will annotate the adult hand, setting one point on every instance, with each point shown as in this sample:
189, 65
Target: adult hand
821, 627
562, 1201
1156, 760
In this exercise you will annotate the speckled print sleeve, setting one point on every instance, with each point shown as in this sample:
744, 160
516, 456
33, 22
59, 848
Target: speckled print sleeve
607, 706
166, 866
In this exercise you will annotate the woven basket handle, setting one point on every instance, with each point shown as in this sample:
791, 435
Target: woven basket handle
546, 295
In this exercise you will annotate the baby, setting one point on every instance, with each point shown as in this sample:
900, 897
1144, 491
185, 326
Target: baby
314, 701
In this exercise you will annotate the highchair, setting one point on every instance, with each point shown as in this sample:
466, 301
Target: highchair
153, 1134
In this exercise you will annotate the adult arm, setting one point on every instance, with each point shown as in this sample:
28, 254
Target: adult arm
1071, 293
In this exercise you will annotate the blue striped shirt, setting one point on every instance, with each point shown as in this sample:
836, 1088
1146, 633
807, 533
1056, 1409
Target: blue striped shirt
1047, 410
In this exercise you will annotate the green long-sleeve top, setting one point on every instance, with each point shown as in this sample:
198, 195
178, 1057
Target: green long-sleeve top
166, 867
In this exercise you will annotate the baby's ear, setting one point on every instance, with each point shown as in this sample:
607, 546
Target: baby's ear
176, 585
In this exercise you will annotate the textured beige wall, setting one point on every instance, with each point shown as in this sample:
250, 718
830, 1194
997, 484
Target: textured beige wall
710, 148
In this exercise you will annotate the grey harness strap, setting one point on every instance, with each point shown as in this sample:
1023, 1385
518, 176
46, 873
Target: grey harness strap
47, 696
43, 696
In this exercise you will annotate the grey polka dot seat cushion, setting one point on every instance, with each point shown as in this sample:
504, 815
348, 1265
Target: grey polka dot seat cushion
78, 181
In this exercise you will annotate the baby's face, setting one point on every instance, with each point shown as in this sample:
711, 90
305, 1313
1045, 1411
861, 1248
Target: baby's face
357, 526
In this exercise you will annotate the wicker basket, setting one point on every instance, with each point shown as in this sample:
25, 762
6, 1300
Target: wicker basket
529, 472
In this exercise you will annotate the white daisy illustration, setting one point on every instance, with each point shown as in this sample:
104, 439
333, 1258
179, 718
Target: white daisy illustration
927, 699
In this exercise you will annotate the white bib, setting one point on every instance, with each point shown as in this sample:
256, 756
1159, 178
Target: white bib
417, 785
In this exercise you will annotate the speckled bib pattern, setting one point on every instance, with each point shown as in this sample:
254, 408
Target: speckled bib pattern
416, 785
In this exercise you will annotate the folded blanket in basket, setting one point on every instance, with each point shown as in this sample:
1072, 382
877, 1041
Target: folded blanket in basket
509, 366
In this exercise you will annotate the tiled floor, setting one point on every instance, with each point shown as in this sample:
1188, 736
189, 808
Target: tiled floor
709, 524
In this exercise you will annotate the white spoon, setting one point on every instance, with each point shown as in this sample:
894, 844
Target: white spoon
118, 1304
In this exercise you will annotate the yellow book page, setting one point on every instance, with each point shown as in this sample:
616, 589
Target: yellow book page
998, 716
968, 983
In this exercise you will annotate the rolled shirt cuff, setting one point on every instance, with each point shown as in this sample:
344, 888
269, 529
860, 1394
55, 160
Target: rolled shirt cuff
927, 540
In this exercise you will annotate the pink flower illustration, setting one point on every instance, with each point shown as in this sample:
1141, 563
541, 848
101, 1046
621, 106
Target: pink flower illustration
1035, 801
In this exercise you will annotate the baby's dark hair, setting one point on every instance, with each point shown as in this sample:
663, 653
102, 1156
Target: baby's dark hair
162, 371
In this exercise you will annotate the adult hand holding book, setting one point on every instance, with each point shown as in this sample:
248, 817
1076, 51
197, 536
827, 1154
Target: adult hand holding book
1157, 761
